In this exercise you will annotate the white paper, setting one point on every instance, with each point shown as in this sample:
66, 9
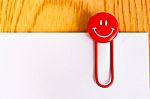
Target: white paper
60, 66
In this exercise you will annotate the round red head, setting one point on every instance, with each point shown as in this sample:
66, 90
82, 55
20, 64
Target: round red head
103, 27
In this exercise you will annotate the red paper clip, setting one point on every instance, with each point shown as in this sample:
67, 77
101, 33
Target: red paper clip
103, 28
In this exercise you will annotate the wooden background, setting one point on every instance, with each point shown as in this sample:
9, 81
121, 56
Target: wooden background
71, 15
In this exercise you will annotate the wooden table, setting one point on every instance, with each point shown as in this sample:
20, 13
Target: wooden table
71, 15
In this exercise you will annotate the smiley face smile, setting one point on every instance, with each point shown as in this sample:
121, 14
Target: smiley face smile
94, 29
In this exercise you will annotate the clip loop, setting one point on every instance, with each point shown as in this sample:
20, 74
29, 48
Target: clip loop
111, 78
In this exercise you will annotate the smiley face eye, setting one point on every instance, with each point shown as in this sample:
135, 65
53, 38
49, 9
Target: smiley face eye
106, 22
101, 22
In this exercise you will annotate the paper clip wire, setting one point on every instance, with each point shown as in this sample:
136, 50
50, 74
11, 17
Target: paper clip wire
111, 77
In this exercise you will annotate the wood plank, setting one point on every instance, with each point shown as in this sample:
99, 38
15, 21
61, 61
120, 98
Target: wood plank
71, 15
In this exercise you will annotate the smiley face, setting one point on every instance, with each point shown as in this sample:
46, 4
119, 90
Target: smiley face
103, 27
100, 34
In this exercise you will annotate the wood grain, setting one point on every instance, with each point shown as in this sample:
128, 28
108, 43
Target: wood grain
71, 15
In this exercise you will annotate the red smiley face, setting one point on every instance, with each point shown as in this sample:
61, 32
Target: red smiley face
103, 27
